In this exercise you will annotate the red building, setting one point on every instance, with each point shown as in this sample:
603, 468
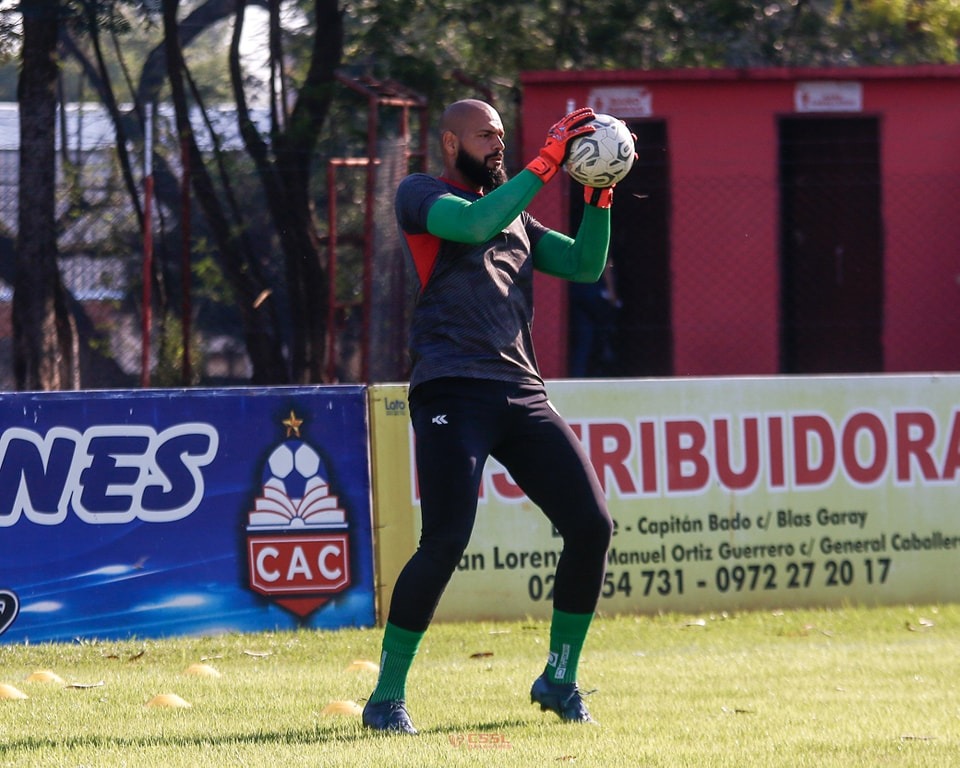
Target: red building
777, 221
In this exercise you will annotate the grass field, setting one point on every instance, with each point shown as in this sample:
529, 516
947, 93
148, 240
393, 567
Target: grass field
851, 687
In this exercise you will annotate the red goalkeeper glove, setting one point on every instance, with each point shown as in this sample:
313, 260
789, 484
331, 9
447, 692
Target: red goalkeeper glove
557, 147
599, 198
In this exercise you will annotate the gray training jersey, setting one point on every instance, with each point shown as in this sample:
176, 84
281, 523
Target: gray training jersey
475, 307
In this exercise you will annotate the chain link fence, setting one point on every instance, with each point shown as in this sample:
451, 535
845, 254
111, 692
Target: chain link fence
100, 258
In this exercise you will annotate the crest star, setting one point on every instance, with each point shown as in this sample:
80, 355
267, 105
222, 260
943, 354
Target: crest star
292, 423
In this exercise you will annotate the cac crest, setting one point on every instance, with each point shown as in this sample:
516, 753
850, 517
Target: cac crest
298, 546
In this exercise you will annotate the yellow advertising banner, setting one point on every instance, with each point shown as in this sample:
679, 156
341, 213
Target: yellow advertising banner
727, 493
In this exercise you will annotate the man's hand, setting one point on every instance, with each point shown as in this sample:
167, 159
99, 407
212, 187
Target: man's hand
599, 198
557, 147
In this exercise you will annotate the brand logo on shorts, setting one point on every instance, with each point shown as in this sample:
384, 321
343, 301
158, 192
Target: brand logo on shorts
440, 418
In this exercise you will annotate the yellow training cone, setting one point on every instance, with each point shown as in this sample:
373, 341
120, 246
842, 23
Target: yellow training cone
44, 676
362, 666
341, 708
9, 692
168, 700
201, 670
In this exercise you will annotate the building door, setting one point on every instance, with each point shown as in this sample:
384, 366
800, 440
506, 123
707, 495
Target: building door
638, 339
831, 245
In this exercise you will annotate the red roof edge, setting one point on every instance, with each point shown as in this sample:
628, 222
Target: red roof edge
918, 71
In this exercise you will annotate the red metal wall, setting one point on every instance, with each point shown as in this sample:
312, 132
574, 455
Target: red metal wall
722, 129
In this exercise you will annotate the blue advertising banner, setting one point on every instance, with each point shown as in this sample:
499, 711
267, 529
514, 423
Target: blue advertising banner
156, 513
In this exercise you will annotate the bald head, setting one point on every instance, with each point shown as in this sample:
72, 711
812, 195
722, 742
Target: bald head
462, 115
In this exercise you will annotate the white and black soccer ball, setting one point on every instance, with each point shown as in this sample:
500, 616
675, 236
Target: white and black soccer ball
604, 157
292, 466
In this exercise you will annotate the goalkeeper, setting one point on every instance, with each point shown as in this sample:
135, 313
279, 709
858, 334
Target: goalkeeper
475, 390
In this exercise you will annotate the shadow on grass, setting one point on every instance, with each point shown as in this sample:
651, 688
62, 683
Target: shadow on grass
492, 726
341, 735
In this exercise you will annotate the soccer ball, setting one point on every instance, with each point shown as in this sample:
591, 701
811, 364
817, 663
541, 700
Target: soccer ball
291, 466
602, 158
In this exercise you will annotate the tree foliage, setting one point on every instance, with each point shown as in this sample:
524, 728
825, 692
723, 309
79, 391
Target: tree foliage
423, 41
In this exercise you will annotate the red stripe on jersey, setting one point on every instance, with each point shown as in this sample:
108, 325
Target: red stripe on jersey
424, 249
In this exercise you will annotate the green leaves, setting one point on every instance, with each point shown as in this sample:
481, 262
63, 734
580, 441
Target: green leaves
426, 40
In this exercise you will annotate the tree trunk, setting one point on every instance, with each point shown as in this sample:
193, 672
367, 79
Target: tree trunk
303, 251
44, 334
254, 298
286, 177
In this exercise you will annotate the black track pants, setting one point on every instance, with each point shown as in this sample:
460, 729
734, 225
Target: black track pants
458, 423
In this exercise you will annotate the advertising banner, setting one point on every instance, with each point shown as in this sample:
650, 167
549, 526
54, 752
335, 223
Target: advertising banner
731, 493
155, 513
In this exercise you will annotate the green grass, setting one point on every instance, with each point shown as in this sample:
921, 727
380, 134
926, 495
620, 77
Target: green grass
851, 687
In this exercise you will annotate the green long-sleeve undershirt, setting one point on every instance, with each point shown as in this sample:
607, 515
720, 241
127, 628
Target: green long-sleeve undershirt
579, 259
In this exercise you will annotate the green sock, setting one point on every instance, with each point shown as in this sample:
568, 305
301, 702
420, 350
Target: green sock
396, 658
568, 631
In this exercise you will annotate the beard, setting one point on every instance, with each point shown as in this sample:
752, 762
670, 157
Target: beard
478, 172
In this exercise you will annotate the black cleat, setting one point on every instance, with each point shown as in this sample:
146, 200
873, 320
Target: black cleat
564, 699
388, 716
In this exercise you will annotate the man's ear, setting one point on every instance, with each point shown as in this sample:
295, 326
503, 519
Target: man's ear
450, 143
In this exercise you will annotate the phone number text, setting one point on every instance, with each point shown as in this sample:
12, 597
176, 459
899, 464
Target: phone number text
803, 574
